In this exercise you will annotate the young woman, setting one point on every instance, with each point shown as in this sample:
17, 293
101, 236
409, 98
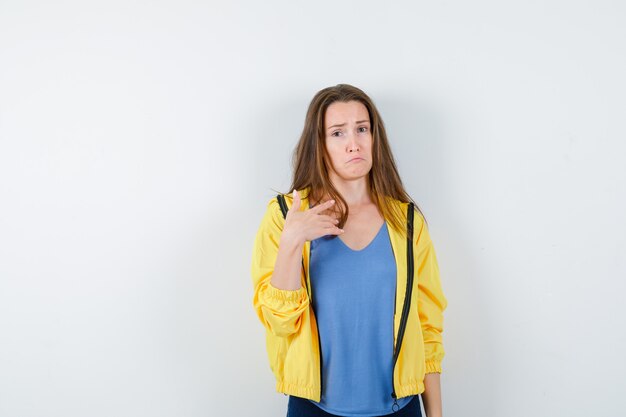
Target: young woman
345, 276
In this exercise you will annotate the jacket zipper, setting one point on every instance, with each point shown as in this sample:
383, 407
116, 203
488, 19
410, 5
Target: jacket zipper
407, 302
319, 342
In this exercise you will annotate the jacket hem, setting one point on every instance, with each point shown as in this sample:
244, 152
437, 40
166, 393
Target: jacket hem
299, 391
409, 389
405, 390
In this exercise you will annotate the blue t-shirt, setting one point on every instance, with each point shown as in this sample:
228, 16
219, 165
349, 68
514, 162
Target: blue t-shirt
353, 297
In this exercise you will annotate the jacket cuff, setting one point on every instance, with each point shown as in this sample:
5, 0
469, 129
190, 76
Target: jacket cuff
285, 295
433, 366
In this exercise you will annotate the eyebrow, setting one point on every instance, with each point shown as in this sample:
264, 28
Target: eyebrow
343, 124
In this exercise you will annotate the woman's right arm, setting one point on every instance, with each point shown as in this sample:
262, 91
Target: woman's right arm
279, 296
288, 265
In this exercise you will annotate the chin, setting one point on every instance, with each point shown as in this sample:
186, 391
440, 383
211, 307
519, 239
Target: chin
353, 177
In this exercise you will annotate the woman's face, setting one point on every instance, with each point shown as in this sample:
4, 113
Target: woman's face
348, 140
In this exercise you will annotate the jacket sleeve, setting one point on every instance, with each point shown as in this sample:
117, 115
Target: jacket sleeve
279, 310
431, 300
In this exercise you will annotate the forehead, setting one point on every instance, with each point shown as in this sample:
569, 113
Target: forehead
341, 112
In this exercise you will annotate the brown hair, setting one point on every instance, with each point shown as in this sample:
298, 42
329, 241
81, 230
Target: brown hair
311, 161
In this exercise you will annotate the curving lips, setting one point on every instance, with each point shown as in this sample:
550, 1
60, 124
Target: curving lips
356, 159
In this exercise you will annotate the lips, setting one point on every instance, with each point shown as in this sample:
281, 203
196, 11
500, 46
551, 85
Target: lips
355, 159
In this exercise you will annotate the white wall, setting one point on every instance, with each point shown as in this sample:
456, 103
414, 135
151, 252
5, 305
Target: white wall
140, 142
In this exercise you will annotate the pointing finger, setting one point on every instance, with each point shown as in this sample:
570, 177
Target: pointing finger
296, 200
323, 206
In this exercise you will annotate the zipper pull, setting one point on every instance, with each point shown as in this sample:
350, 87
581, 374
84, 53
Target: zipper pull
395, 407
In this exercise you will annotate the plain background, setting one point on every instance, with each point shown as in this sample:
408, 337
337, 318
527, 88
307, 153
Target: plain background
141, 141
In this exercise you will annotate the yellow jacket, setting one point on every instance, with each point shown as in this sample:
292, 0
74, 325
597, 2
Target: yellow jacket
292, 339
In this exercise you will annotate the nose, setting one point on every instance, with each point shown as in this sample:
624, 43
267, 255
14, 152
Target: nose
352, 145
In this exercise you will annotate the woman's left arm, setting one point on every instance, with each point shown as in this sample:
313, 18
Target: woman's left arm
432, 395
431, 304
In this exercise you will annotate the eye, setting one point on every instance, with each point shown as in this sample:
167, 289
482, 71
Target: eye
363, 129
336, 133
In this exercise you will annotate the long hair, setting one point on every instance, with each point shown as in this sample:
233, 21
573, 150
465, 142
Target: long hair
311, 160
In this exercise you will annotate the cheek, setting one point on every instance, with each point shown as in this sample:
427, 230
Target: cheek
368, 144
332, 150
330, 153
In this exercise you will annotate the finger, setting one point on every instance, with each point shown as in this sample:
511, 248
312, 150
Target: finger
296, 201
330, 226
335, 231
323, 206
330, 230
328, 219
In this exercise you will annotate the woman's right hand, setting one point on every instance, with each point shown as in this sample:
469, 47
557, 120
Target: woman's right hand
307, 225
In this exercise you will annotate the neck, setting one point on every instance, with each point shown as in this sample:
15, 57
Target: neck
355, 192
